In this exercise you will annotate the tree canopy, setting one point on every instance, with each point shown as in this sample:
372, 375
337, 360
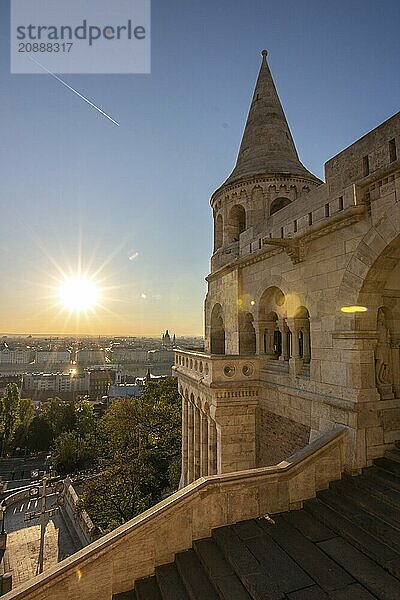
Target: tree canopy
140, 440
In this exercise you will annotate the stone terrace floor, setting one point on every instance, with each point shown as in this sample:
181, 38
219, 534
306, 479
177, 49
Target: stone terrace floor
23, 541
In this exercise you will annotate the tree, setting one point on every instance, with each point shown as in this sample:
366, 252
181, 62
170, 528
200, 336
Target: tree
141, 441
85, 419
59, 415
10, 405
39, 435
25, 418
122, 492
70, 452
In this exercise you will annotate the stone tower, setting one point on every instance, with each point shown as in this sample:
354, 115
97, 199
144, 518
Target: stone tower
283, 363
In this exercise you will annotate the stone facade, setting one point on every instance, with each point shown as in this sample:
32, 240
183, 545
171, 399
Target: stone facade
282, 362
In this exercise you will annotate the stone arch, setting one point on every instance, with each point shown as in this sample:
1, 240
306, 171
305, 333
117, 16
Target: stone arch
247, 334
302, 334
368, 271
236, 224
372, 280
271, 322
217, 336
278, 204
218, 232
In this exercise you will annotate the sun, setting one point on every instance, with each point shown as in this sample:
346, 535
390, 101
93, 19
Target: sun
78, 293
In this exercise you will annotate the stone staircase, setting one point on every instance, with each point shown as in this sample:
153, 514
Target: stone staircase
343, 545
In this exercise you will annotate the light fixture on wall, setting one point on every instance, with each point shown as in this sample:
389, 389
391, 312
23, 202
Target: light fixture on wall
353, 309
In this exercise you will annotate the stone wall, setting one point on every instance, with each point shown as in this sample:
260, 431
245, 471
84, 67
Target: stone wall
336, 245
78, 518
278, 437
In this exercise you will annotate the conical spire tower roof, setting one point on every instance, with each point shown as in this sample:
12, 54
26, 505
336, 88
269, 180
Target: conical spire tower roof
267, 145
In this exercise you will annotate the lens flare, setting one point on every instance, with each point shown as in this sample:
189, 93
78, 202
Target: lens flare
78, 293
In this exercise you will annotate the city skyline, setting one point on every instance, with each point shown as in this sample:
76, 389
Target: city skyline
129, 206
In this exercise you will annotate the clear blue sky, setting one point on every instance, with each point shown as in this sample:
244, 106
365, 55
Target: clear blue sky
73, 184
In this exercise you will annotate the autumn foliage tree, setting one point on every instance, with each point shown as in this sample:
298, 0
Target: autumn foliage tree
141, 442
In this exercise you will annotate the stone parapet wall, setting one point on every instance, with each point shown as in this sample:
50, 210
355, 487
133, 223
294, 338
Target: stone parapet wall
80, 520
113, 563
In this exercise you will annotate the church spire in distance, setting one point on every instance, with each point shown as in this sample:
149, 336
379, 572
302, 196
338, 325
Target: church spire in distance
267, 145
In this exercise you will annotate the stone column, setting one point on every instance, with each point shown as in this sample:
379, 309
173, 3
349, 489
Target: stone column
270, 340
212, 447
295, 362
184, 474
259, 337
285, 350
306, 344
197, 442
204, 445
190, 468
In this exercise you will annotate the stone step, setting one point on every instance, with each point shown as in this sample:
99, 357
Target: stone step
378, 489
370, 523
284, 574
245, 565
384, 477
320, 567
221, 574
368, 544
169, 583
147, 589
389, 465
380, 508
124, 596
314, 529
370, 575
393, 455
194, 577
310, 593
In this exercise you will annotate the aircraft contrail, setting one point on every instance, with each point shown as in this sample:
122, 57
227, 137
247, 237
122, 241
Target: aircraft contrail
75, 92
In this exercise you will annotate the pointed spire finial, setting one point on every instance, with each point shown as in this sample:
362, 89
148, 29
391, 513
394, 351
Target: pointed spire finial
267, 144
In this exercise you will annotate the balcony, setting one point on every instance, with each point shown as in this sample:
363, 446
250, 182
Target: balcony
217, 370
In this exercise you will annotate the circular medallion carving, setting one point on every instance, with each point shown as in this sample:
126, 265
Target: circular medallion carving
229, 370
248, 370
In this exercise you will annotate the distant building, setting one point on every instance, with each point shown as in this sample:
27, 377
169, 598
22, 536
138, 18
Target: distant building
58, 383
15, 356
57, 356
100, 381
90, 356
121, 354
125, 390
166, 340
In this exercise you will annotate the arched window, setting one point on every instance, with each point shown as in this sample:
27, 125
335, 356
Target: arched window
278, 203
218, 232
247, 334
236, 223
217, 336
